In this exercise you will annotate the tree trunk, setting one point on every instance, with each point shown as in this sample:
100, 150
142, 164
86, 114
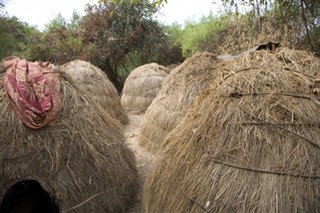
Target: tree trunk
113, 75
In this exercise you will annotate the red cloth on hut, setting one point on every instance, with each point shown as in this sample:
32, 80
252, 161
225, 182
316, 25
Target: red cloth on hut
33, 89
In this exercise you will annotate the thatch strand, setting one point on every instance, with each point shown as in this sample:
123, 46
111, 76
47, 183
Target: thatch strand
245, 153
95, 84
82, 203
142, 86
180, 88
81, 160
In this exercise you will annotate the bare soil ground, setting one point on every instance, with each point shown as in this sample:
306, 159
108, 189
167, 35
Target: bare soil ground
144, 158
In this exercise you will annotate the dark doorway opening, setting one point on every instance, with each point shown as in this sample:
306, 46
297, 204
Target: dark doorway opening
27, 196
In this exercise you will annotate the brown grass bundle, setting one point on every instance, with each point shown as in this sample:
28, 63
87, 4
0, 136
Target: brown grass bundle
251, 142
96, 85
81, 160
178, 92
141, 87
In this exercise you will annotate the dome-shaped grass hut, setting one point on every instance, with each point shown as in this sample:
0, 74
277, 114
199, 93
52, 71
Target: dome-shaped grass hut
95, 84
179, 89
79, 163
142, 86
251, 142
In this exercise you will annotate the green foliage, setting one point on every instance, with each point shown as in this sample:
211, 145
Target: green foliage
14, 36
293, 23
114, 37
117, 30
160, 44
195, 33
175, 34
154, 3
60, 43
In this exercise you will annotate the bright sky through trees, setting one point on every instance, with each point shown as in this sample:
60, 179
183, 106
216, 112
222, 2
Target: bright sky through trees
40, 12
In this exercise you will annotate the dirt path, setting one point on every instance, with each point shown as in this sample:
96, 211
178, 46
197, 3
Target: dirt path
143, 157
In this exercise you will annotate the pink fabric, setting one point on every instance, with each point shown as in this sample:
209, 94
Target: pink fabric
33, 89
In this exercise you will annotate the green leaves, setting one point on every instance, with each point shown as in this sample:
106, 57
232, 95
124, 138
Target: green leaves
14, 36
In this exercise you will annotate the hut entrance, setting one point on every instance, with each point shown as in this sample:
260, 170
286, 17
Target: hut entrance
27, 196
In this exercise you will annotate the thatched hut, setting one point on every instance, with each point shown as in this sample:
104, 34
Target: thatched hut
142, 86
179, 89
94, 83
251, 142
78, 164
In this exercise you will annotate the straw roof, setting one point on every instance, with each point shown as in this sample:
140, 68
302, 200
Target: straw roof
178, 91
251, 143
81, 160
142, 86
96, 85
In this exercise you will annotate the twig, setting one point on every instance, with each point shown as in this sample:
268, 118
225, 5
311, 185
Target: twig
257, 170
280, 127
306, 24
238, 71
282, 124
264, 171
239, 94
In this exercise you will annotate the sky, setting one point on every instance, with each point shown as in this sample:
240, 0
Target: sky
40, 12
183, 10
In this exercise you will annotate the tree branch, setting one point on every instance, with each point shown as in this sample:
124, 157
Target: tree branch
306, 24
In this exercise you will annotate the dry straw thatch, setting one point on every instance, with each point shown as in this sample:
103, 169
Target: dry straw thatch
251, 142
178, 92
96, 85
81, 160
142, 86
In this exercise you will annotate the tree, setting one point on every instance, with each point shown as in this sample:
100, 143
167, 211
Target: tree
1, 8
154, 3
301, 16
115, 30
59, 43
109, 35
14, 36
